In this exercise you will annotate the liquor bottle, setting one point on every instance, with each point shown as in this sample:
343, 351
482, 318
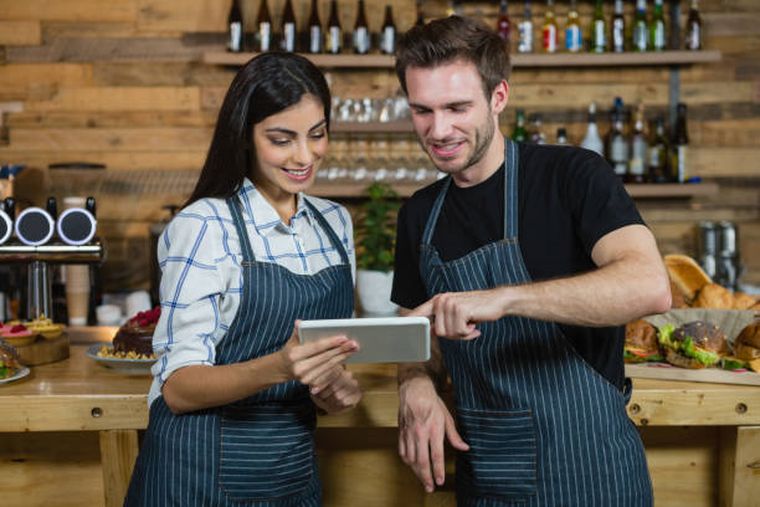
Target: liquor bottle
315, 29
288, 42
592, 141
420, 15
639, 145
573, 35
361, 31
235, 28
657, 27
658, 154
694, 27
519, 134
388, 35
549, 30
503, 24
598, 29
617, 31
537, 135
264, 24
640, 30
561, 136
674, 40
680, 145
617, 143
525, 29
334, 41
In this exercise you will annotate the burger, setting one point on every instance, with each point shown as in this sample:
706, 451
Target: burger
694, 345
747, 346
641, 343
9, 364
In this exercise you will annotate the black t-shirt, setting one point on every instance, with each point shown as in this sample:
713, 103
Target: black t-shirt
568, 198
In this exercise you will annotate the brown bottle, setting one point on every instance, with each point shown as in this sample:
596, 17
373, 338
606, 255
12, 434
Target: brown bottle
315, 29
694, 28
288, 42
361, 31
264, 27
334, 30
235, 28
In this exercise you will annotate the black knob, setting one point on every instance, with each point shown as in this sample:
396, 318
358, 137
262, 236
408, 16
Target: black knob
90, 206
10, 207
52, 207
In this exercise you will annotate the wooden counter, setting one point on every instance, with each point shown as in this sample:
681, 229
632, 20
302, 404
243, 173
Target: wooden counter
80, 395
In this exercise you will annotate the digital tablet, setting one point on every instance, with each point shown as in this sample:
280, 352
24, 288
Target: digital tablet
381, 340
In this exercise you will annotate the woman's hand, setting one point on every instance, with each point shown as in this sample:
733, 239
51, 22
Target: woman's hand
316, 363
341, 394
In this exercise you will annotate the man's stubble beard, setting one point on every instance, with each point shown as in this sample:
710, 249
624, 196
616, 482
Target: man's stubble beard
483, 137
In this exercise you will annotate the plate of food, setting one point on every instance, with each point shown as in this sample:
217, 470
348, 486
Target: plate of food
10, 368
132, 347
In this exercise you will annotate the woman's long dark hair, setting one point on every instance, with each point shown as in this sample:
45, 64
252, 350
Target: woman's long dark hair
266, 85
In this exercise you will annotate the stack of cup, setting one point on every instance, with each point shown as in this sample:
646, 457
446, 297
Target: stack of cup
77, 281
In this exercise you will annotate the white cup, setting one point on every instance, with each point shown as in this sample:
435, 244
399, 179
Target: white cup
77, 293
108, 315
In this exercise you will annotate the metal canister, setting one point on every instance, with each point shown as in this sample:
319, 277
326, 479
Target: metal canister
728, 238
707, 247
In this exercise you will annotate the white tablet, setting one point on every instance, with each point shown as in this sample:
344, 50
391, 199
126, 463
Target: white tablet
381, 340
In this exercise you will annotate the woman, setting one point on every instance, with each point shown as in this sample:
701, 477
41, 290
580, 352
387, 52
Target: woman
232, 400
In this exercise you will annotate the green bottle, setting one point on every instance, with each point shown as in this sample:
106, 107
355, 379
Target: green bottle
657, 35
640, 30
519, 134
598, 29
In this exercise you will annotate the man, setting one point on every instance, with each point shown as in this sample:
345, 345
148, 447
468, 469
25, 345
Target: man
529, 258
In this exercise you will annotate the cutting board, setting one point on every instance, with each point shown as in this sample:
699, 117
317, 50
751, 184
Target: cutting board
44, 351
714, 375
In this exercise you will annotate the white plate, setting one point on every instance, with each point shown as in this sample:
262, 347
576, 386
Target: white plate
141, 365
21, 373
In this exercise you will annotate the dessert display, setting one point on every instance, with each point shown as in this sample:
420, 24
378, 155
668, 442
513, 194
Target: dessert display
134, 340
45, 327
9, 364
17, 334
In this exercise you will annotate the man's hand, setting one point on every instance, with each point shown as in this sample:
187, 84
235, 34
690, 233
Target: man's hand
457, 313
424, 422
341, 394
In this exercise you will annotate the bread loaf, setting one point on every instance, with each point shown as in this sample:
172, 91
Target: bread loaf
686, 275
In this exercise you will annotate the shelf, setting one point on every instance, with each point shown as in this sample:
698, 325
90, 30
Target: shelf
652, 58
391, 127
340, 190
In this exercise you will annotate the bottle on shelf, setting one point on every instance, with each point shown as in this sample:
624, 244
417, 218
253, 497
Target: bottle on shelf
573, 33
519, 134
388, 35
235, 28
617, 28
657, 35
694, 27
420, 15
525, 29
640, 32
549, 30
315, 39
598, 29
639, 146
288, 42
361, 31
658, 154
680, 146
674, 33
537, 135
618, 147
264, 27
592, 141
334, 39
562, 136
503, 23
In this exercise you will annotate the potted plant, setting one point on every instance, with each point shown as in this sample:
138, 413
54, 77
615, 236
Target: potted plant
376, 235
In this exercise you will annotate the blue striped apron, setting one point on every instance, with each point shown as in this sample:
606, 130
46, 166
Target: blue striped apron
544, 427
258, 451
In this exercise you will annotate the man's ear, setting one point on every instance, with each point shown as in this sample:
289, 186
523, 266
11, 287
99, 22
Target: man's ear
500, 97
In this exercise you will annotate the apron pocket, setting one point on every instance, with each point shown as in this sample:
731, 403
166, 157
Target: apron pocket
502, 460
267, 451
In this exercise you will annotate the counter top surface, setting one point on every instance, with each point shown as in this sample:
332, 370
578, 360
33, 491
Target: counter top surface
81, 394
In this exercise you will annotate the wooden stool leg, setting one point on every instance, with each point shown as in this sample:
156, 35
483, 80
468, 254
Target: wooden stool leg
118, 452
739, 466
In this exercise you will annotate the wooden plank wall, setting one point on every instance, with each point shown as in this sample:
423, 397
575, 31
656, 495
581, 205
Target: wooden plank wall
121, 83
